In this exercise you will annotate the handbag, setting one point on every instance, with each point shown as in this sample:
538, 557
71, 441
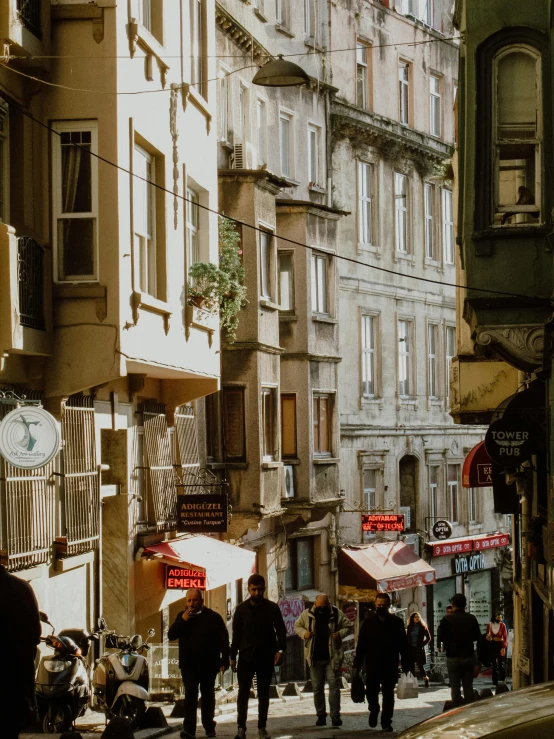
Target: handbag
357, 688
407, 687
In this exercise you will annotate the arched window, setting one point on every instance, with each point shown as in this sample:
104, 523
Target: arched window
517, 136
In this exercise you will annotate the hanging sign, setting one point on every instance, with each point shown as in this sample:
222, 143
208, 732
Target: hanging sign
510, 442
204, 513
442, 530
29, 437
378, 522
184, 578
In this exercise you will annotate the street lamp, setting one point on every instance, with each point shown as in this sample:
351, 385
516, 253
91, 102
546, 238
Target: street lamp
280, 73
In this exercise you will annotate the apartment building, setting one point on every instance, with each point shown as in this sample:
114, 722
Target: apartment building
393, 132
98, 150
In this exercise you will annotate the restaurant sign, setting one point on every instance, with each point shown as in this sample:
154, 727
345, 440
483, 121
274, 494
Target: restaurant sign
202, 514
378, 522
184, 578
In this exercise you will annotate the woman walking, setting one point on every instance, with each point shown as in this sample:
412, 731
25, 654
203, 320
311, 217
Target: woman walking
418, 637
497, 637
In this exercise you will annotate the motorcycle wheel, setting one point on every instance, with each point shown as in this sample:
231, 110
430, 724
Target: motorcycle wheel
57, 719
130, 708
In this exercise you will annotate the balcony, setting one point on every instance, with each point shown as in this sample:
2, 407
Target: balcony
30, 256
29, 14
25, 25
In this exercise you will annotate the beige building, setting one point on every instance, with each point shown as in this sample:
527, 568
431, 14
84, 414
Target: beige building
95, 320
394, 135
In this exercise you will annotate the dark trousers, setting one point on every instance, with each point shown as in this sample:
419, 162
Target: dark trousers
193, 681
460, 674
374, 683
498, 662
417, 657
263, 669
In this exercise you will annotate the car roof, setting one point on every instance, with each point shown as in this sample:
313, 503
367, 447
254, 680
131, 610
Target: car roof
488, 716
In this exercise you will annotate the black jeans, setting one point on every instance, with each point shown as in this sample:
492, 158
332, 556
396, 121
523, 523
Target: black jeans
193, 680
417, 657
460, 673
498, 662
263, 668
386, 685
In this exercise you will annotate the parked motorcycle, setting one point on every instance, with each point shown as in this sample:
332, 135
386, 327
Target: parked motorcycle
62, 684
120, 679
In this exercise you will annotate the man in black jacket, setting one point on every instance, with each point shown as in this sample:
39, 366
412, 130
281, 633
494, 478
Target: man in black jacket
382, 639
259, 637
203, 652
20, 626
458, 631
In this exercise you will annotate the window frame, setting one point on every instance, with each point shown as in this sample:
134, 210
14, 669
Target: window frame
432, 361
291, 573
435, 101
192, 228
289, 397
320, 299
289, 254
405, 217
59, 127
429, 220
453, 492
449, 331
243, 130
289, 118
224, 106
404, 96
434, 491
366, 205
472, 506
261, 130
282, 13
363, 69
197, 47
314, 129
369, 354
148, 267
267, 278
448, 238
310, 21
317, 398
407, 341
240, 392
4, 161
268, 425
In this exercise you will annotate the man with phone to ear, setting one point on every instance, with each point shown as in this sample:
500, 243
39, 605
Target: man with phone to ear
259, 637
203, 652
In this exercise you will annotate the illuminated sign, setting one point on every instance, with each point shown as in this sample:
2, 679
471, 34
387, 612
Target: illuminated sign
202, 514
183, 578
382, 522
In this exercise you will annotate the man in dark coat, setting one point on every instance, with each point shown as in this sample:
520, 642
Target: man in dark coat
20, 626
458, 631
203, 652
381, 641
260, 638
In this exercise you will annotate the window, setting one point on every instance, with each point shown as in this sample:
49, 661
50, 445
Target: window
144, 219
432, 332
197, 46
404, 358
75, 200
145, 13
368, 356
370, 489
450, 354
362, 75
435, 105
401, 212
473, 513
453, 491
447, 226
322, 424
319, 284
310, 20
282, 13
429, 198
314, 145
266, 256
288, 426
427, 14
193, 250
223, 105
268, 424
242, 129
517, 136
365, 203
286, 281
261, 126
404, 92
300, 572
286, 142
433, 492
4, 161
234, 441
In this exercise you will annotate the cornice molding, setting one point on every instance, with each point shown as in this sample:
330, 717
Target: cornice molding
520, 346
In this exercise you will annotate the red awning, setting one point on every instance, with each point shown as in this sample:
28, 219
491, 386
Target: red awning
223, 563
391, 564
477, 469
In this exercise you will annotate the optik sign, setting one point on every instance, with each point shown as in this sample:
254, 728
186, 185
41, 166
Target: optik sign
509, 442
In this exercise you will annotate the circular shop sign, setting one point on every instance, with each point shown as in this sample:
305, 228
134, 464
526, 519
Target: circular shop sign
509, 442
29, 437
442, 530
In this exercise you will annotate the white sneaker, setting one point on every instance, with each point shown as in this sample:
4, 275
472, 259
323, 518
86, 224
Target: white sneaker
262, 734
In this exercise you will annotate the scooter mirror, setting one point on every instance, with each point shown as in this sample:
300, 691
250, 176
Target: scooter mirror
151, 633
44, 618
136, 641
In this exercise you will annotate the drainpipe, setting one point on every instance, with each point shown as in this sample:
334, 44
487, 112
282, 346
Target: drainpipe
524, 595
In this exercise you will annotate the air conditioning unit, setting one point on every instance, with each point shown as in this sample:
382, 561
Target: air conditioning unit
406, 511
412, 541
288, 481
237, 159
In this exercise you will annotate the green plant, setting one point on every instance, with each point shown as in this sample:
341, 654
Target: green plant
207, 282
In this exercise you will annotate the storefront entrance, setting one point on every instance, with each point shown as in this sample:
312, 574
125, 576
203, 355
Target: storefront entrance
479, 597
442, 592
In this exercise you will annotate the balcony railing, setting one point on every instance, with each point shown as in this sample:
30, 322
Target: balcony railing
31, 282
29, 14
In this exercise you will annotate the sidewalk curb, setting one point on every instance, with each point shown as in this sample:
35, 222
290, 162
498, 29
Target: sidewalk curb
153, 733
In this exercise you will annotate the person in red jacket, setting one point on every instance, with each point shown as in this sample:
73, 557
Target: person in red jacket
497, 637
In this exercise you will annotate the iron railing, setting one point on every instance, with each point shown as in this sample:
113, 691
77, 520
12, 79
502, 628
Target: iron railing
31, 282
29, 14
162, 491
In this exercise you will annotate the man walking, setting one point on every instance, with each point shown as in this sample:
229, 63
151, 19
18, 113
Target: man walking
381, 641
203, 652
323, 627
20, 625
259, 638
458, 631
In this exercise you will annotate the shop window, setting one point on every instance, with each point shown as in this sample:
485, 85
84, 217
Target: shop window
268, 424
234, 441
321, 412
288, 426
453, 476
300, 572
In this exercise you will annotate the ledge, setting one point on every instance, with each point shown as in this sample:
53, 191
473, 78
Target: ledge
326, 460
227, 465
287, 317
85, 291
201, 319
189, 94
72, 562
271, 465
150, 303
284, 30
260, 15
290, 461
323, 319
269, 304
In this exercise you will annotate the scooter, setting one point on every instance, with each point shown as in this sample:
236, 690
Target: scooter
120, 679
62, 684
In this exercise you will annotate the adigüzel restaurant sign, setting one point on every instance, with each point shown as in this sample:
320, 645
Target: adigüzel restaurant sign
202, 514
